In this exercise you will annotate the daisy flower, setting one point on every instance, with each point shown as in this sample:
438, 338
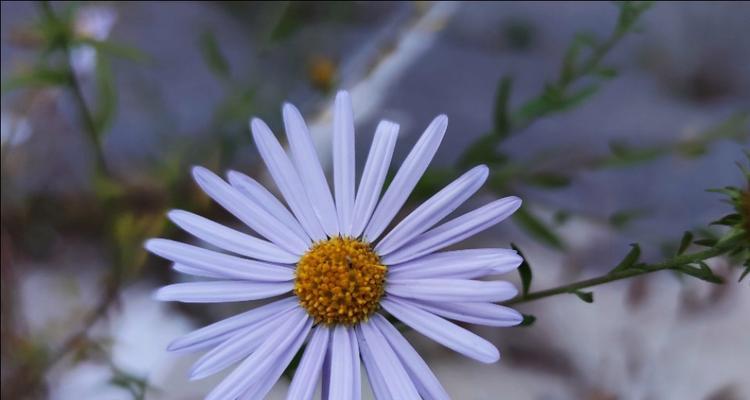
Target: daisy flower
336, 277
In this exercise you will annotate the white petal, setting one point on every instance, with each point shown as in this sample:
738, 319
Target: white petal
264, 385
356, 372
222, 265
455, 230
221, 291
446, 333
343, 160
286, 179
342, 378
426, 382
310, 367
488, 314
465, 264
450, 290
433, 210
377, 382
258, 194
271, 354
248, 212
206, 336
406, 178
230, 239
309, 169
374, 174
186, 269
395, 377
237, 347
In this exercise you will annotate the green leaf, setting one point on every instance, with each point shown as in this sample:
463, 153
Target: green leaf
621, 219
706, 242
213, 56
702, 272
528, 320
433, 180
537, 229
550, 180
37, 77
483, 151
524, 270
745, 272
570, 60
687, 239
553, 100
500, 116
587, 297
292, 18
606, 72
630, 259
106, 96
561, 217
626, 156
728, 220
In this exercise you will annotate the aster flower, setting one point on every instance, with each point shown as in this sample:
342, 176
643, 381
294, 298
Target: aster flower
334, 272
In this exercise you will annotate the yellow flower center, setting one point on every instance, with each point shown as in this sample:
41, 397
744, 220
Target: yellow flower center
340, 281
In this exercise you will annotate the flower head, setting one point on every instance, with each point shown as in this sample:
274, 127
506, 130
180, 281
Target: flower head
334, 272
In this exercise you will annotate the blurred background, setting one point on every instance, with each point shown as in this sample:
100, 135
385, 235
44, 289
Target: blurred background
609, 120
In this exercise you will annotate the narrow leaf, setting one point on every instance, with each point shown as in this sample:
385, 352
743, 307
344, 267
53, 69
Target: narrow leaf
524, 270
630, 259
703, 273
528, 320
213, 56
537, 229
501, 118
687, 239
587, 297
550, 180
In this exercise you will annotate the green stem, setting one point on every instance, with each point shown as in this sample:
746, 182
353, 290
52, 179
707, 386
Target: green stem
87, 117
723, 246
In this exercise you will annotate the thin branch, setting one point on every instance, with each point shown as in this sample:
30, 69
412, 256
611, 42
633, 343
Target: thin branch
674, 263
87, 117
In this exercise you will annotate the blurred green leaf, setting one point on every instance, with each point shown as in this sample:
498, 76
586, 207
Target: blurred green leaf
707, 242
37, 77
561, 217
501, 112
553, 100
432, 181
621, 219
213, 55
587, 297
687, 239
626, 156
483, 151
630, 259
528, 320
536, 228
746, 271
702, 272
107, 96
550, 180
524, 270
630, 11
291, 20
606, 72
571, 59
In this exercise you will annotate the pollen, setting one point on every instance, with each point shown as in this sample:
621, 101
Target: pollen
340, 281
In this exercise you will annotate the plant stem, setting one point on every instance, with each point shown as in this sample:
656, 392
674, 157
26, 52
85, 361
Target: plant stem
725, 245
87, 117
